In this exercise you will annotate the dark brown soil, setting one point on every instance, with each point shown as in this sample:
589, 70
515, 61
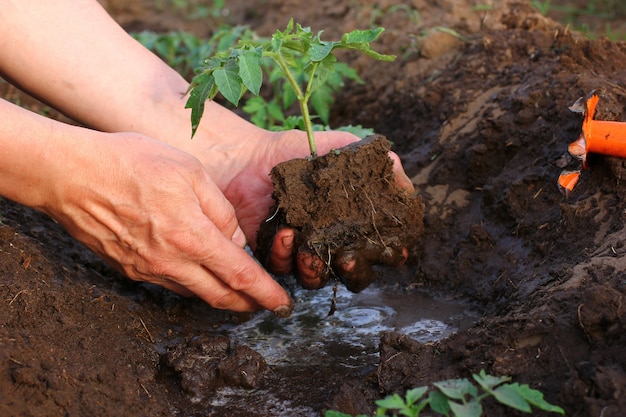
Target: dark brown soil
345, 206
482, 125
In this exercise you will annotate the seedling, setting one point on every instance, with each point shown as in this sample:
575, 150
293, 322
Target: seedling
304, 61
461, 398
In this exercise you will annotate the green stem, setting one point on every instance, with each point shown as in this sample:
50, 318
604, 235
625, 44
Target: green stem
303, 100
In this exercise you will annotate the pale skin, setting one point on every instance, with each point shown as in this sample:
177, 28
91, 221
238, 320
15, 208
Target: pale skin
133, 187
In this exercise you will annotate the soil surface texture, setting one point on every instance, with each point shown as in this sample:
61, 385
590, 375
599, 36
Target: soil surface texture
346, 209
477, 108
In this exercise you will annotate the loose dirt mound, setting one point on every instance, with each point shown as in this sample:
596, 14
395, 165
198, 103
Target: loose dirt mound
482, 125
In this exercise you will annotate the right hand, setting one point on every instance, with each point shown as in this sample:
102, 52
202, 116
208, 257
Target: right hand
152, 212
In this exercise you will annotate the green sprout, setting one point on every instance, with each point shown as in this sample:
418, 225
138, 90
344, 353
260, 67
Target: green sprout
461, 398
306, 63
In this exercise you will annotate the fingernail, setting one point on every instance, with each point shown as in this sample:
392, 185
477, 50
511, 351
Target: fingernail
283, 311
239, 238
288, 241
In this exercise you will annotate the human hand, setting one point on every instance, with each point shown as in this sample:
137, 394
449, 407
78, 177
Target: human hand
153, 212
247, 185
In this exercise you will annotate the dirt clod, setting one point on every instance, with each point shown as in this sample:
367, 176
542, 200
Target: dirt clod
345, 207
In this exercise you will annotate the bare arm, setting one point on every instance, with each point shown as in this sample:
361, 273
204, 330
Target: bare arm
147, 208
71, 54
74, 56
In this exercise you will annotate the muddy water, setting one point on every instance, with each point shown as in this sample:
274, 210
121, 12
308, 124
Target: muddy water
346, 341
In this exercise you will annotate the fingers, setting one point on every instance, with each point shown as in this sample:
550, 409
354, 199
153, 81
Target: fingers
354, 270
401, 178
219, 210
312, 272
247, 284
280, 260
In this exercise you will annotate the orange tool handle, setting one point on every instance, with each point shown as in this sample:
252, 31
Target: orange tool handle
606, 138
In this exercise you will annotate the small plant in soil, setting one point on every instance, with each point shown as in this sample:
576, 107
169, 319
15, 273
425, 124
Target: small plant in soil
345, 207
461, 398
305, 62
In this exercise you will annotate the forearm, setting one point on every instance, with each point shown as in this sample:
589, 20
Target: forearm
32, 149
72, 55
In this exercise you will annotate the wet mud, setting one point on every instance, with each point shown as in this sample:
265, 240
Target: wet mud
482, 125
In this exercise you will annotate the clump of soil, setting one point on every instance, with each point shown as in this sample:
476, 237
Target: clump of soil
208, 362
345, 206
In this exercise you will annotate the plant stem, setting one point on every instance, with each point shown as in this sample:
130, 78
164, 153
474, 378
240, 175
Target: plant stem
303, 100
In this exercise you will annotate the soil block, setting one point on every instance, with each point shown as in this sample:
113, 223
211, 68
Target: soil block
345, 206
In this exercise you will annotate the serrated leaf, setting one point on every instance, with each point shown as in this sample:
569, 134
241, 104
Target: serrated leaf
365, 48
250, 69
456, 388
343, 70
508, 395
470, 409
488, 381
362, 36
202, 89
535, 398
229, 84
323, 70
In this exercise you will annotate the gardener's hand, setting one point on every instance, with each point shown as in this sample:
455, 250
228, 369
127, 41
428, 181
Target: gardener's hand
153, 212
241, 169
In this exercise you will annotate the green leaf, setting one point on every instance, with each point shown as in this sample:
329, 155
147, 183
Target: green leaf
229, 84
254, 104
535, 398
275, 111
321, 101
250, 69
415, 394
319, 51
373, 54
470, 409
202, 88
508, 395
439, 403
333, 413
356, 130
391, 402
488, 382
457, 388
323, 70
362, 36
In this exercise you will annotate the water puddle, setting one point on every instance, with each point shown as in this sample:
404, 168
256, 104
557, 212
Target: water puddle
344, 342
355, 329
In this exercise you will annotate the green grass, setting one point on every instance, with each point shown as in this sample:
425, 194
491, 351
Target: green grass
594, 18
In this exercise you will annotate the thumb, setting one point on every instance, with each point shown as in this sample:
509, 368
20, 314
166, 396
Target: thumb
219, 210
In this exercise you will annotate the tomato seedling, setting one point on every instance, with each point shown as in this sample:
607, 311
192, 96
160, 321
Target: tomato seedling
303, 60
